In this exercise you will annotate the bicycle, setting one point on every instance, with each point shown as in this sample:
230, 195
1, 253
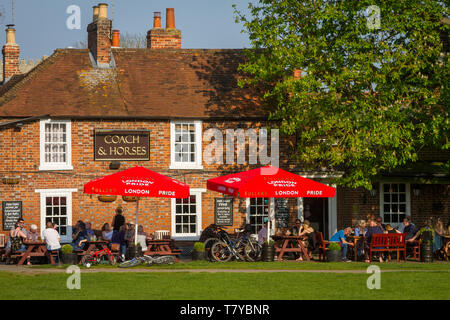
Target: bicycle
243, 248
147, 260
98, 257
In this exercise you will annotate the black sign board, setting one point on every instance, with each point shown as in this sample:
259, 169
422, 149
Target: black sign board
121, 145
223, 211
282, 213
12, 211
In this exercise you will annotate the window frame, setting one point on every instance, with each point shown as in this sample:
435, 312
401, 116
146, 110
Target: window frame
248, 203
407, 201
44, 193
47, 166
198, 145
188, 236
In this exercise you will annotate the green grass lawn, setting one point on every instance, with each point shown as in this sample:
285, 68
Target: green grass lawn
289, 265
212, 286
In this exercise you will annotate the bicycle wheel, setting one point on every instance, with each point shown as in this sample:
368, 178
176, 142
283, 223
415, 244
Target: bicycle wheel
130, 263
88, 261
112, 260
253, 251
208, 245
221, 252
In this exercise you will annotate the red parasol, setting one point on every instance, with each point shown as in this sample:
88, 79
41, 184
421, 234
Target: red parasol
138, 182
269, 182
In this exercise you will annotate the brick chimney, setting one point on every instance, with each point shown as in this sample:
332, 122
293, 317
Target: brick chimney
168, 38
11, 51
99, 35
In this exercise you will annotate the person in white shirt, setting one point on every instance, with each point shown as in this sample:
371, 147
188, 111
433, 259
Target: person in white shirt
51, 237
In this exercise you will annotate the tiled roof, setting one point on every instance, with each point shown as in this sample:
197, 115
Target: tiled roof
159, 84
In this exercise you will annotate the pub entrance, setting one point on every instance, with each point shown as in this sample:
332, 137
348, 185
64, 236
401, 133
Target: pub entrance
316, 211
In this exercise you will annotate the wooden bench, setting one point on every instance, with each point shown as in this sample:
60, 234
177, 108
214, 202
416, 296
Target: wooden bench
388, 243
323, 246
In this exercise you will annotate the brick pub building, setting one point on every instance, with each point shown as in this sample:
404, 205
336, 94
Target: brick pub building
86, 113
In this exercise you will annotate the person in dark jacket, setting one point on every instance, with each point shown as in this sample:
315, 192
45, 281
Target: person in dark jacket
118, 220
374, 228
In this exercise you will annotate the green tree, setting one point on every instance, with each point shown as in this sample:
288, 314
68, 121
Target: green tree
371, 94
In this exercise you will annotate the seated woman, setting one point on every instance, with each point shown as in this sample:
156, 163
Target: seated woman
141, 238
107, 232
307, 232
17, 237
80, 236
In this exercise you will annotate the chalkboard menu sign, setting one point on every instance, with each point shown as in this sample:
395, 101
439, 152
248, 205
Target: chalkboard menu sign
282, 215
223, 211
12, 211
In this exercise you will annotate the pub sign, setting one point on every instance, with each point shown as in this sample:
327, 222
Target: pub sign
121, 145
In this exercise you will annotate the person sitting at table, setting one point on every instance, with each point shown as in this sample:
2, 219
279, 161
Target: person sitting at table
51, 237
294, 231
17, 237
307, 233
439, 232
262, 234
389, 229
79, 235
380, 223
21, 223
141, 238
360, 228
107, 232
340, 236
374, 228
129, 233
89, 230
119, 238
32, 234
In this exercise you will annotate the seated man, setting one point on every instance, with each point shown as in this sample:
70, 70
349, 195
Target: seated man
340, 237
52, 239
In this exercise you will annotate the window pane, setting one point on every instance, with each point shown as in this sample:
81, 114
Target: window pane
395, 218
387, 218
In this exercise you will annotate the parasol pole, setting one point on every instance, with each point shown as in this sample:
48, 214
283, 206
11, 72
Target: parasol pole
136, 223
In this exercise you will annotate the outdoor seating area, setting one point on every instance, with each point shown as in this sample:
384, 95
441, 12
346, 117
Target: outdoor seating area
86, 242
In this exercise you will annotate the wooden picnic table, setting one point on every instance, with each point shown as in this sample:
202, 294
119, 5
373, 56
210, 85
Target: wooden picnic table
162, 247
290, 244
92, 246
35, 249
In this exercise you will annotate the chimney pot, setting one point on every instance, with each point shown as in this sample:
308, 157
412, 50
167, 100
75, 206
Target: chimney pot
157, 20
96, 11
170, 18
116, 38
102, 11
10, 34
11, 52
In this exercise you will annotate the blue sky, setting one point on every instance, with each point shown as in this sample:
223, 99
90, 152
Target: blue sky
41, 24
